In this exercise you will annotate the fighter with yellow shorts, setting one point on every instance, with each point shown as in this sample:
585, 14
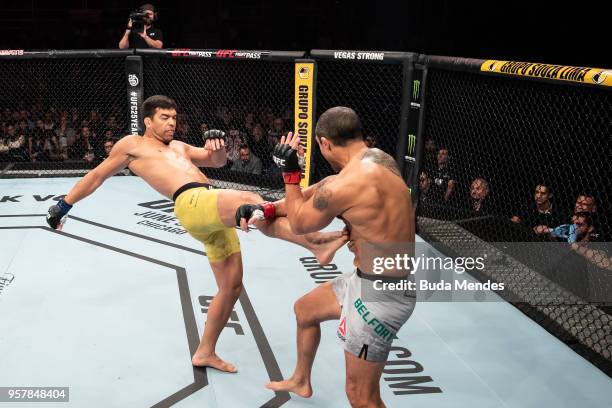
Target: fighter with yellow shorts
195, 206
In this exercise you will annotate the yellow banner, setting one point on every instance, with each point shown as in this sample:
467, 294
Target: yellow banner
592, 76
304, 97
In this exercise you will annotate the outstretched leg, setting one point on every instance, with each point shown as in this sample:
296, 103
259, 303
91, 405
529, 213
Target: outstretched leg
322, 244
315, 307
228, 274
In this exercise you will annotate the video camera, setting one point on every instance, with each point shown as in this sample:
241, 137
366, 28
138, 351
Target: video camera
138, 16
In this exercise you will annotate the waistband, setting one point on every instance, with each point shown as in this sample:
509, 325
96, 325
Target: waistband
186, 187
371, 277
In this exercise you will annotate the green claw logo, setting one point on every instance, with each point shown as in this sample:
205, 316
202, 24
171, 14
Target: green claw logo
411, 144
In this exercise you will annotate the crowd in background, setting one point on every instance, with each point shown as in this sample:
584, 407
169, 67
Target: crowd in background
443, 196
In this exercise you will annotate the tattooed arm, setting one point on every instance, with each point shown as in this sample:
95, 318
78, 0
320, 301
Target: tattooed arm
311, 214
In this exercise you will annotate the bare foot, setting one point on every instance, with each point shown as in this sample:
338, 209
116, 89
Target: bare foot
325, 244
213, 361
303, 389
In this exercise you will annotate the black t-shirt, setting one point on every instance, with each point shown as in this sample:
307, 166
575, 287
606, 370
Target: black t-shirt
439, 182
136, 41
551, 218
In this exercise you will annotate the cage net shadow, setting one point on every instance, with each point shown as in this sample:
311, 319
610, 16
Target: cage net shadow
522, 168
251, 101
56, 114
374, 91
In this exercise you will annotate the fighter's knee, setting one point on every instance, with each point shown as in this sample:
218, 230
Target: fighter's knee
303, 314
232, 291
359, 396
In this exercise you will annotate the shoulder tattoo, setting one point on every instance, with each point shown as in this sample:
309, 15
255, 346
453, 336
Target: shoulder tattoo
379, 157
322, 195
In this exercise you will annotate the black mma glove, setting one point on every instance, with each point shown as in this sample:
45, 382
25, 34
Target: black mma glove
56, 215
212, 135
287, 159
259, 211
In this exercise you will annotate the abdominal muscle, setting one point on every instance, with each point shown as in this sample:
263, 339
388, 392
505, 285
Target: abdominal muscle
167, 171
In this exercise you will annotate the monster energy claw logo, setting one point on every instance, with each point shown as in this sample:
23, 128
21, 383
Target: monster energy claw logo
416, 88
411, 144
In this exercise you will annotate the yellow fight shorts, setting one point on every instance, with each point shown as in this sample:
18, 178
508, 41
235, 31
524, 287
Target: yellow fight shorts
195, 206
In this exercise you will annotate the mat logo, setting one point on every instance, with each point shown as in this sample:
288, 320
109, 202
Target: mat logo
159, 220
320, 273
233, 323
342, 329
400, 374
5, 280
133, 79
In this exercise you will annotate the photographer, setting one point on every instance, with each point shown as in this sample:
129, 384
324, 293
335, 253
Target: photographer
140, 33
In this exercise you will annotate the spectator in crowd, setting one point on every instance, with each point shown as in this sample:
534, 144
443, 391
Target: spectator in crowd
150, 37
95, 124
444, 180
17, 144
249, 122
89, 156
258, 143
370, 141
40, 147
232, 146
430, 158
108, 146
278, 127
480, 201
65, 132
543, 214
81, 144
4, 149
580, 230
48, 123
111, 124
22, 127
424, 188
585, 202
248, 163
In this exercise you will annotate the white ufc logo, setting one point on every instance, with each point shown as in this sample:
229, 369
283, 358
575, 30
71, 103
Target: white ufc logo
279, 161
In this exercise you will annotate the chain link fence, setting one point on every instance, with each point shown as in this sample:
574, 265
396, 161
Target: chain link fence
373, 90
509, 161
57, 113
251, 101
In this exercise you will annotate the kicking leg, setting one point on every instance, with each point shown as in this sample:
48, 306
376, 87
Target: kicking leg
311, 309
322, 244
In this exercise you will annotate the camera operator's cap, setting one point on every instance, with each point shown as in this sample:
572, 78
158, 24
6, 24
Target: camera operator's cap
147, 6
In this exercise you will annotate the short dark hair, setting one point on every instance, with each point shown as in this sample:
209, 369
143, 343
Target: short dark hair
244, 146
151, 104
544, 184
588, 217
340, 125
147, 6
